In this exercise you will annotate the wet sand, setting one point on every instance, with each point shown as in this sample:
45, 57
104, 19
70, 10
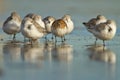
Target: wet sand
77, 57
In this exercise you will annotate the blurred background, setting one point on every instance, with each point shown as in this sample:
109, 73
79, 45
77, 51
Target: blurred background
80, 10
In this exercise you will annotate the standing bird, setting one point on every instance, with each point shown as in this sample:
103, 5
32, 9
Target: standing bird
31, 29
104, 31
48, 23
12, 24
59, 29
36, 18
93, 22
69, 22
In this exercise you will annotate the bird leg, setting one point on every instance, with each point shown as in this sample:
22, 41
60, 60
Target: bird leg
64, 38
14, 37
55, 39
103, 43
52, 37
96, 41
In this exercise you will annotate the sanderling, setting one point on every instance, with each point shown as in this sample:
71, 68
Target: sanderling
31, 29
48, 23
104, 31
93, 22
12, 24
69, 22
36, 18
100, 19
59, 29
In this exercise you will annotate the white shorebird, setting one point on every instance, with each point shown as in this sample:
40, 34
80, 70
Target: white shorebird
12, 24
104, 31
69, 22
36, 18
39, 20
31, 29
101, 19
93, 22
59, 29
48, 23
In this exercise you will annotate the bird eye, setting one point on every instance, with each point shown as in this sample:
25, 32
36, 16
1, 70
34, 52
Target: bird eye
11, 18
29, 27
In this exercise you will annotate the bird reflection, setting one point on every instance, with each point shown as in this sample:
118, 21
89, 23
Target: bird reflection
48, 47
32, 54
101, 53
12, 52
63, 52
1, 72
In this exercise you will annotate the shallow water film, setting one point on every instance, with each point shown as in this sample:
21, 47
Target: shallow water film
75, 59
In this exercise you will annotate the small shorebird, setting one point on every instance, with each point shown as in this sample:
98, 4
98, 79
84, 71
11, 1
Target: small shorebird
36, 18
12, 24
69, 22
31, 29
104, 31
59, 29
93, 22
48, 23
39, 20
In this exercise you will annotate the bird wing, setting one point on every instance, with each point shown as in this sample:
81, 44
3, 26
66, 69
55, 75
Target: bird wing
100, 27
39, 28
59, 24
7, 20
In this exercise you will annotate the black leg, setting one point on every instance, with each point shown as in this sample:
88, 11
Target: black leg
55, 39
103, 43
45, 37
29, 40
52, 37
64, 38
14, 36
103, 48
96, 41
